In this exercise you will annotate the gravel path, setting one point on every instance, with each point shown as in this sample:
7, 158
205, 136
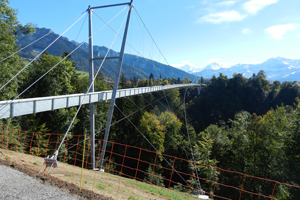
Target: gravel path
16, 185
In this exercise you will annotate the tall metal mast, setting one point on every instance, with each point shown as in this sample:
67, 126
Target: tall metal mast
116, 83
91, 78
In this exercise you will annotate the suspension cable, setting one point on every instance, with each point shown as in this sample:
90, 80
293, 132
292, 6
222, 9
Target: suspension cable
167, 102
3, 106
90, 86
165, 133
186, 153
152, 37
187, 129
81, 28
41, 52
152, 145
170, 107
39, 39
147, 46
115, 123
147, 60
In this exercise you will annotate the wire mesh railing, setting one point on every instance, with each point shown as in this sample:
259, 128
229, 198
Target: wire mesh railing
131, 172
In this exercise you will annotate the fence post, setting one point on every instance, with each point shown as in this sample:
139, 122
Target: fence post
38, 146
82, 162
121, 171
2, 136
171, 177
46, 151
216, 183
192, 179
152, 174
58, 136
66, 151
7, 130
75, 159
111, 151
18, 141
12, 139
31, 143
274, 190
87, 155
242, 187
137, 167
24, 140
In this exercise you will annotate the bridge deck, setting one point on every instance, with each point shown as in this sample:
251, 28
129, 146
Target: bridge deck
20, 107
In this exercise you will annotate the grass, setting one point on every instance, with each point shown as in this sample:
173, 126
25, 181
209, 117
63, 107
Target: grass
160, 191
7, 158
106, 184
101, 187
133, 198
82, 73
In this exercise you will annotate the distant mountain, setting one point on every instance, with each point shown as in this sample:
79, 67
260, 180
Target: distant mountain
281, 69
187, 68
132, 65
146, 65
80, 56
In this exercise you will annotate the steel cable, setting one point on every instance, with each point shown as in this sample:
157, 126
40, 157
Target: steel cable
41, 52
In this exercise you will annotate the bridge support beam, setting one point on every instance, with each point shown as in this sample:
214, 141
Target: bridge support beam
115, 88
91, 83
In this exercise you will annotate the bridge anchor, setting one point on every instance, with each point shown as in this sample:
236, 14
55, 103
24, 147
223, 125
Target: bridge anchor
200, 195
50, 162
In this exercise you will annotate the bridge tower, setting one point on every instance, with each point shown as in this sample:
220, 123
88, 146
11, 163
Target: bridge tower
116, 83
91, 83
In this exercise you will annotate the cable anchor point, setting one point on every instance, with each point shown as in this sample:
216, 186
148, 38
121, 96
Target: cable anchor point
50, 162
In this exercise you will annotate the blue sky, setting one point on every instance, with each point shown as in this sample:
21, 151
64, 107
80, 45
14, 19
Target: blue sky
194, 32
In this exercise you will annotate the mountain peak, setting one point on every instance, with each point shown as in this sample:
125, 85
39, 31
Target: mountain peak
213, 66
276, 68
217, 66
187, 68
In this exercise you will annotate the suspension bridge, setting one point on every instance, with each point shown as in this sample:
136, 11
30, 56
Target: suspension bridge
18, 107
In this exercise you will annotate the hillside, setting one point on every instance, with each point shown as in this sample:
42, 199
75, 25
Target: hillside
101, 185
143, 64
132, 65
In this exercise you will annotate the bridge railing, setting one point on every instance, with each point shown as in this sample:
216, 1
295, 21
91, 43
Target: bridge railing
130, 172
27, 106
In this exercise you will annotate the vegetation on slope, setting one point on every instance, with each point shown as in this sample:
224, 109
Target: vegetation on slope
247, 125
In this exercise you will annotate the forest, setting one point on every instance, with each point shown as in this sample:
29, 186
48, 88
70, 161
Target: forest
239, 124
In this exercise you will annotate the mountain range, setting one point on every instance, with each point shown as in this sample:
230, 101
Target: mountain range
132, 65
281, 69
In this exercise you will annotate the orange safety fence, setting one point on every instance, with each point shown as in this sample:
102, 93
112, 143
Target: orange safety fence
131, 172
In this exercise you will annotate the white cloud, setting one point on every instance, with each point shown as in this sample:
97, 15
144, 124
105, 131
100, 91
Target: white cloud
253, 6
278, 31
247, 31
227, 16
226, 3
